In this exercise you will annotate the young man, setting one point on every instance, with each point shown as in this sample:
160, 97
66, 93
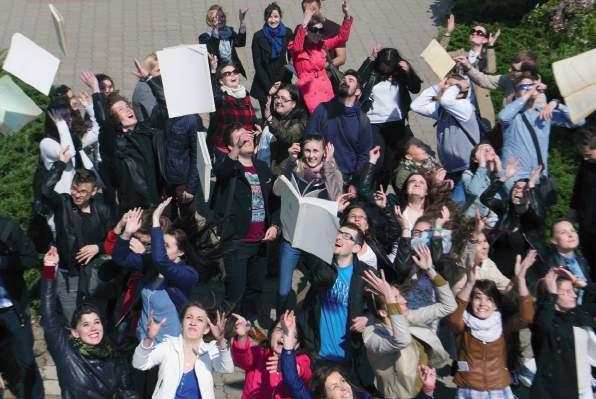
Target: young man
333, 316
583, 202
82, 223
515, 118
330, 29
458, 131
241, 202
128, 150
344, 125
17, 253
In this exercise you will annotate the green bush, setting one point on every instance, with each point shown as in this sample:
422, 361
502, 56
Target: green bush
554, 30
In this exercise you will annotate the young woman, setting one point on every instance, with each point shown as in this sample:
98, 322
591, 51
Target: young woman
485, 167
86, 364
329, 382
269, 54
186, 362
482, 333
261, 364
309, 52
286, 123
401, 344
315, 174
167, 279
563, 337
232, 105
221, 40
388, 81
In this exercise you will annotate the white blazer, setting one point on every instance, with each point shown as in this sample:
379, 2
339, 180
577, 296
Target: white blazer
169, 356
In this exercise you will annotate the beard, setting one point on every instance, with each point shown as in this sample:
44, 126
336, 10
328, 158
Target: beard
343, 91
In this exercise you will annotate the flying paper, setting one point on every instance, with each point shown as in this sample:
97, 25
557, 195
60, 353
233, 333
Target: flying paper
16, 108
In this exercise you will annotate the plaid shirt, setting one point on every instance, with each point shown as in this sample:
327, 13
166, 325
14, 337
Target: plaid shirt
230, 110
467, 393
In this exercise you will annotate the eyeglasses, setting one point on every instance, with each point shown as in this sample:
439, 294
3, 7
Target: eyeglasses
282, 99
314, 29
347, 236
230, 73
419, 232
478, 32
474, 242
525, 86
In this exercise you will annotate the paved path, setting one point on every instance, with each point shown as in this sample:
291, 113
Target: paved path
104, 35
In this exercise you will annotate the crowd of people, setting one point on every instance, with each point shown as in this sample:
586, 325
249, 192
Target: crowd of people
441, 264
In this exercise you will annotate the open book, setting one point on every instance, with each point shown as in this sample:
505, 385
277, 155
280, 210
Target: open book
204, 164
576, 79
438, 59
16, 108
311, 223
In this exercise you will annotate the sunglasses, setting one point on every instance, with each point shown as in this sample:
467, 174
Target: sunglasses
314, 29
230, 73
478, 32
525, 86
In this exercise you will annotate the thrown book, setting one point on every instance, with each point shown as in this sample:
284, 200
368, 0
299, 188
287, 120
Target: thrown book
438, 59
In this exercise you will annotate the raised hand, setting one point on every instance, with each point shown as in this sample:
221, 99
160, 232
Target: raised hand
153, 327
212, 62
404, 66
274, 88
288, 324
444, 218
522, 266
133, 222
375, 51
90, 80
85, 99
374, 154
479, 222
308, 13
294, 151
510, 168
136, 246
55, 116
493, 38
379, 286
241, 326
550, 281
217, 329
380, 197
578, 282
450, 23
65, 155
242, 14
359, 324
401, 219
345, 9
343, 201
140, 72
329, 151
463, 61
423, 257
535, 176
159, 210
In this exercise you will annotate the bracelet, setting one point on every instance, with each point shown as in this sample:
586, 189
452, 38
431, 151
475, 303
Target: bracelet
437, 229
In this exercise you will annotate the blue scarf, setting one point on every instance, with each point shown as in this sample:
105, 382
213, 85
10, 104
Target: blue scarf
275, 38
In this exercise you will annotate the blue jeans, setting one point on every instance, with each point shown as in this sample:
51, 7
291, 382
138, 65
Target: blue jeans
459, 193
288, 259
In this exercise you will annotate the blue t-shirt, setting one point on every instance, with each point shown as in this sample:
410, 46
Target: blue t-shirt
188, 387
334, 316
156, 299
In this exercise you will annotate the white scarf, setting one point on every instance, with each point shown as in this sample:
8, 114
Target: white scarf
488, 330
238, 92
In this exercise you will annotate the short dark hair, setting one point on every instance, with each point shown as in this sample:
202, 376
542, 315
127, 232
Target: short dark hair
59, 91
586, 137
354, 73
525, 75
112, 99
359, 239
269, 10
100, 79
305, 2
81, 310
221, 67
84, 176
229, 130
489, 288
416, 142
189, 305
528, 60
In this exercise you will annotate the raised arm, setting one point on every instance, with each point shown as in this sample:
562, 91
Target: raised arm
425, 104
47, 188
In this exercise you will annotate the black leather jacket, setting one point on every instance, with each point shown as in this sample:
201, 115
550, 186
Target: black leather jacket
407, 84
67, 217
80, 377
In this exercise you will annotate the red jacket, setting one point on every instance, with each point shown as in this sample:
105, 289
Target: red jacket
258, 382
310, 62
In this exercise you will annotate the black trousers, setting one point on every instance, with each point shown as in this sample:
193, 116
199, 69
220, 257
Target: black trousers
25, 381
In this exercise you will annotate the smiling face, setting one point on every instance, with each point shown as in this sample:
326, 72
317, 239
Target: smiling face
345, 242
82, 193
336, 387
248, 147
482, 305
313, 153
482, 247
283, 102
518, 192
172, 250
124, 113
487, 150
230, 77
274, 19
195, 323
89, 329
417, 185
564, 236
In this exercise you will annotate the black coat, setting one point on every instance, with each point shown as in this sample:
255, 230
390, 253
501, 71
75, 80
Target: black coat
584, 197
237, 39
129, 159
408, 83
68, 220
554, 346
80, 376
17, 253
267, 70
238, 220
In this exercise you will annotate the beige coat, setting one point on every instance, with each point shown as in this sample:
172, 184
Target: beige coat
396, 353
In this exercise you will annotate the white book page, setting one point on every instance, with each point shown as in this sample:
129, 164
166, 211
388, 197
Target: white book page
204, 164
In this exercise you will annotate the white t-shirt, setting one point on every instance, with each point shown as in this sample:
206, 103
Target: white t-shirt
369, 257
385, 107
